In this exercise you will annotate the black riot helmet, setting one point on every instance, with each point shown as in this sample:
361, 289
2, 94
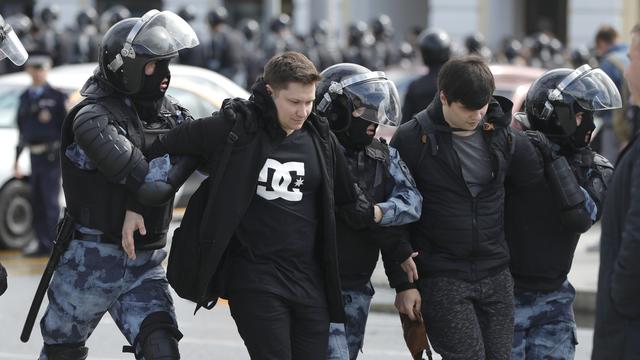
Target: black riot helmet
10, 45
352, 97
251, 29
188, 13
132, 43
113, 15
558, 95
357, 31
381, 27
320, 32
218, 16
48, 15
435, 46
280, 23
87, 17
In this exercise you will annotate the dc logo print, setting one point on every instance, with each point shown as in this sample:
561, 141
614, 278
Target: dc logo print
278, 180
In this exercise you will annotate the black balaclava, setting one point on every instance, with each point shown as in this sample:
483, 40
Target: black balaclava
355, 137
585, 129
150, 90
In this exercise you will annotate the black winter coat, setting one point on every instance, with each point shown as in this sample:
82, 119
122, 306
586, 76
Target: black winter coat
259, 136
617, 328
459, 235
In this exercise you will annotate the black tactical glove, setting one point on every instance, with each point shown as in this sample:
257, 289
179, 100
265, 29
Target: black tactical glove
543, 144
359, 215
240, 109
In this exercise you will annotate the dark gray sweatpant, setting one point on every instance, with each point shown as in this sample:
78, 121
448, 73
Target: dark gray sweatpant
469, 320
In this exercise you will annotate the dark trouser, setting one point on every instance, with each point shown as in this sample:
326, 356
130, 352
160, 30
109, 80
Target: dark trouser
469, 320
45, 190
274, 328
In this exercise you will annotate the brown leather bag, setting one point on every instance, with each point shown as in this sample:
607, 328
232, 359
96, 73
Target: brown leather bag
415, 335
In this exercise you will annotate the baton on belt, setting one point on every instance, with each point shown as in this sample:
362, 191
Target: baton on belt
63, 238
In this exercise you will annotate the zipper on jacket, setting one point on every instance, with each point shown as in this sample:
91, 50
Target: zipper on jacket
474, 229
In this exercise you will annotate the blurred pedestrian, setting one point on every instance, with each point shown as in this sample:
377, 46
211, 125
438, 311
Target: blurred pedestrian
613, 59
41, 111
617, 330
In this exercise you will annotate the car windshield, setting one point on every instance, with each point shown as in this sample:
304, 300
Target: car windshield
9, 99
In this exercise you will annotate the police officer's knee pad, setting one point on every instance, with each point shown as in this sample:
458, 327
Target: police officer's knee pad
158, 337
66, 351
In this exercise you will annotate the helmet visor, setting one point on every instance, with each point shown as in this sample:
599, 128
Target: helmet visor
592, 89
162, 33
11, 47
375, 100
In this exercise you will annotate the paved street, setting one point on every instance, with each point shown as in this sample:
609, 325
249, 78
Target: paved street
208, 335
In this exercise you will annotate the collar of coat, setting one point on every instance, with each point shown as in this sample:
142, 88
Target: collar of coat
269, 115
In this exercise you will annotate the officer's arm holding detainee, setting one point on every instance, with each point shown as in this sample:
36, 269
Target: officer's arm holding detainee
106, 145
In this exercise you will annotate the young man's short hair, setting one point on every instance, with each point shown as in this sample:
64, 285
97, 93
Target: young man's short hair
467, 80
289, 67
607, 34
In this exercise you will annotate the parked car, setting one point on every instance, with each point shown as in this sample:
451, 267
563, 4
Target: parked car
199, 90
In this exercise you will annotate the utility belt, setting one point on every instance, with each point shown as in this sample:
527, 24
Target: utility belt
44, 148
97, 238
107, 239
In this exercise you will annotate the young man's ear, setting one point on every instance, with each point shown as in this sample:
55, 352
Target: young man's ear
443, 98
269, 89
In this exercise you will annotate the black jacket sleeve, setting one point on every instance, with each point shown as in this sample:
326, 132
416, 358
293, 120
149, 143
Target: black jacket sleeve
395, 248
625, 291
199, 137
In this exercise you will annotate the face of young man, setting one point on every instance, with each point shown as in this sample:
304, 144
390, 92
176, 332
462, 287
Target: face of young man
294, 104
459, 116
632, 72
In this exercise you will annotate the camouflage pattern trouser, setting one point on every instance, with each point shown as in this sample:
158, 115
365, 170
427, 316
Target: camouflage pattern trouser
346, 340
545, 327
93, 278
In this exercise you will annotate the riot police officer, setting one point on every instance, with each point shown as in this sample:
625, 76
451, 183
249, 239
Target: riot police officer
384, 49
356, 101
10, 47
360, 44
544, 220
104, 139
254, 56
225, 50
191, 56
86, 39
41, 111
435, 48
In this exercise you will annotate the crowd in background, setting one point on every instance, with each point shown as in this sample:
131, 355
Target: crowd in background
240, 49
